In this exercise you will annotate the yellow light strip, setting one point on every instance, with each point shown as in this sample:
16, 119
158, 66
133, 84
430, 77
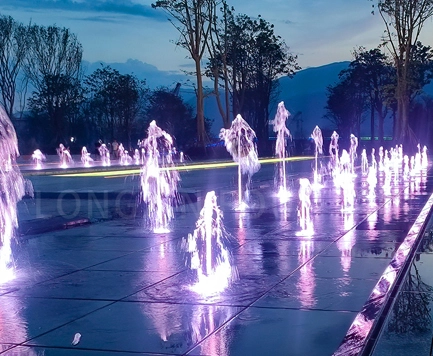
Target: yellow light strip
132, 171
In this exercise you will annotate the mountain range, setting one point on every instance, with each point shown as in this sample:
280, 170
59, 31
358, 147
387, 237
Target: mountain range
304, 95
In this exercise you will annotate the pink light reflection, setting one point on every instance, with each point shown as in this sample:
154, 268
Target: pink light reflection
306, 283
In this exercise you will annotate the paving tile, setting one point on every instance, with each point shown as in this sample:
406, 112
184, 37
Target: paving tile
263, 331
303, 290
141, 327
297, 293
26, 318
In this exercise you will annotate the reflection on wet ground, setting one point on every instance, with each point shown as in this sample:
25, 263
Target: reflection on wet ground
408, 329
126, 290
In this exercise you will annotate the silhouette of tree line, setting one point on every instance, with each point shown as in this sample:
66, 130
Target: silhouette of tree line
42, 82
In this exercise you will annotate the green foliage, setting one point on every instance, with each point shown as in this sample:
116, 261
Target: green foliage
247, 56
114, 105
403, 20
345, 105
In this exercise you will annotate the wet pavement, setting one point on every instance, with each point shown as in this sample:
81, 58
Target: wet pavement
408, 327
87, 263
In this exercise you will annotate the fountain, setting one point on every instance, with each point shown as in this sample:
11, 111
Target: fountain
85, 157
239, 142
207, 250
318, 143
381, 164
364, 162
105, 154
373, 159
159, 179
124, 158
136, 157
424, 159
64, 156
12, 190
352, 152
304, 206
344, 180
38, 157
333, 151
280, 148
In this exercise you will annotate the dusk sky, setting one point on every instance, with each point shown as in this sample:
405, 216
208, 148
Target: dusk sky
318, 31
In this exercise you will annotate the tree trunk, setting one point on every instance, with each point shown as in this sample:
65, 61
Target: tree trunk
201, 132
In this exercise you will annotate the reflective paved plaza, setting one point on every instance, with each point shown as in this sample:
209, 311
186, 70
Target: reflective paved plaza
87, 263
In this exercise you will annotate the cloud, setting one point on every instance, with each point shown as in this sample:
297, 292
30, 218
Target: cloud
119, 7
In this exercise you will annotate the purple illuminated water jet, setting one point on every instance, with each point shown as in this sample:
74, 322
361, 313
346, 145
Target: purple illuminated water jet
85, 157
239, 140
304, 207
333, 151
207, 250
283, 132
38, 157
318, 143
12, 187
159, 178
352, 152
105, 155
64, 156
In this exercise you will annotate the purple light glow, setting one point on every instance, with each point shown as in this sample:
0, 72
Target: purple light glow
208, 254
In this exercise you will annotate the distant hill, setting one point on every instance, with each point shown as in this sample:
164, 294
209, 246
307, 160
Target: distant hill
304, 95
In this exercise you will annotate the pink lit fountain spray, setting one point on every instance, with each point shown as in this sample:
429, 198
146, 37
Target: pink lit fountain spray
12, 187
239, 142
159, 179
38, 157
207, 250
318, 142
85, 157
280, 148
304, 207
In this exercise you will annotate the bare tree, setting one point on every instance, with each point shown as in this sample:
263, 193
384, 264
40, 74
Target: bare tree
193, 19
53, 66
404, 20
53, 52
13, 47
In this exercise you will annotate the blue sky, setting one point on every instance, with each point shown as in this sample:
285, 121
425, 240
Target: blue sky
318, 31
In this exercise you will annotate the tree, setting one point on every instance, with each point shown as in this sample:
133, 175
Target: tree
114, 104
248, 56
377, 79
218, 67
346, 103
13, 48
269, 58
404, 20
193, 19
421, 70
56, 107
53, 51
173, 116
53, 66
